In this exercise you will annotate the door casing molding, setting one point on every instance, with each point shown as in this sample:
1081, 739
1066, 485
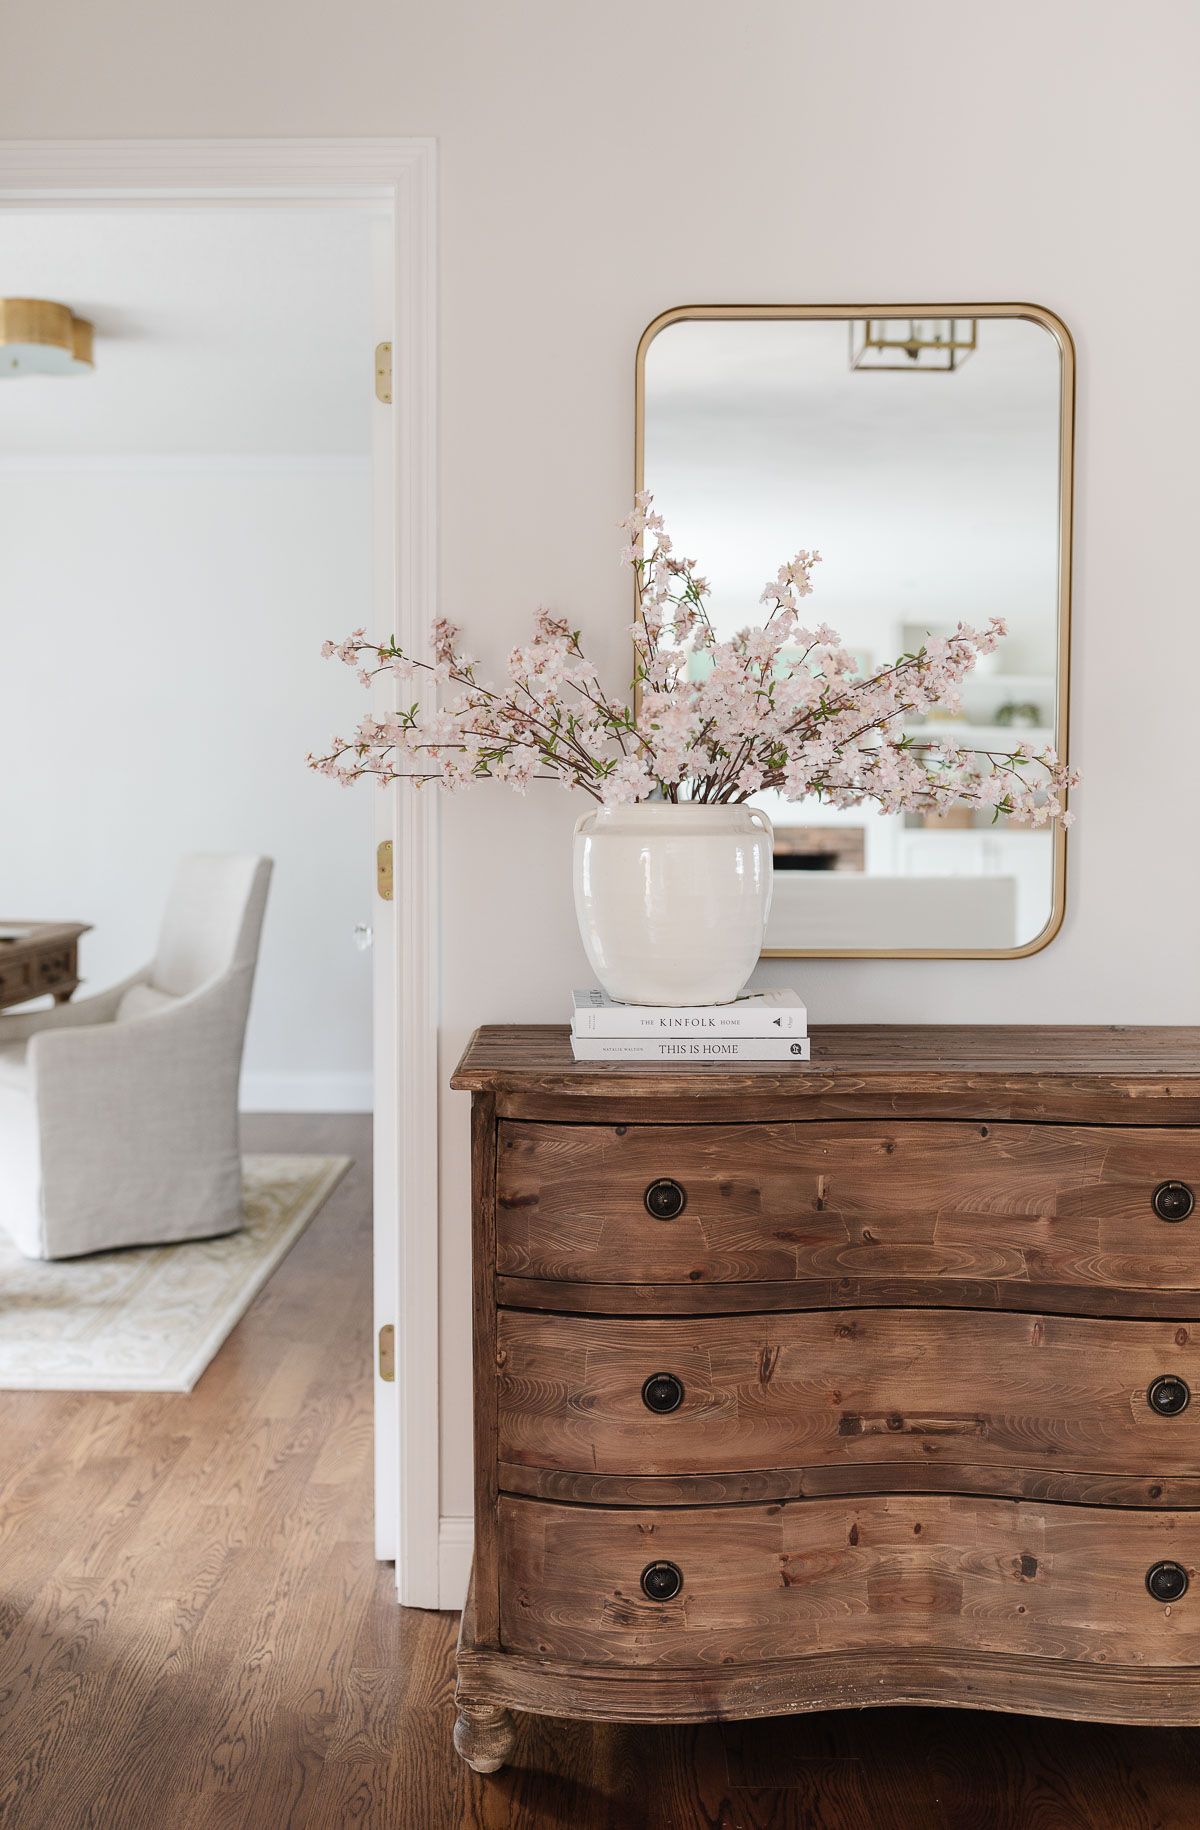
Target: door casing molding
398, 176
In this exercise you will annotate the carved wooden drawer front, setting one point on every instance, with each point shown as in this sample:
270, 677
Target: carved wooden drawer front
1015, 1215
930, 1390
757, 1583
17, 981
874, 1381
37, 958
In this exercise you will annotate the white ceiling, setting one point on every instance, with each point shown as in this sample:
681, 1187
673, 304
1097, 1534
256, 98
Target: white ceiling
218, 331
727, 362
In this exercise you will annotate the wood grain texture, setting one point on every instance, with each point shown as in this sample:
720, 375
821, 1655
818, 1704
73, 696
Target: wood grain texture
849, 1768
483, 1341
843, 1389
916, 1298
484, 1736
566, 1297
40, 960
1146, 1075
118, 1719
888, 1573
1009, 1480
190, 1608
1058, 1206
880, 1678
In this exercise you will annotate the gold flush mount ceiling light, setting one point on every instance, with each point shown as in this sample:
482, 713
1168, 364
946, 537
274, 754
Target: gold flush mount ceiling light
38, 337
907, 344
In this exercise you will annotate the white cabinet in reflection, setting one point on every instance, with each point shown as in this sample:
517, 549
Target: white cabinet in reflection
1023, 858
847, 911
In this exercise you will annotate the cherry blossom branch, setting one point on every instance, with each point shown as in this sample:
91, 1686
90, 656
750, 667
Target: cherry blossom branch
775, 706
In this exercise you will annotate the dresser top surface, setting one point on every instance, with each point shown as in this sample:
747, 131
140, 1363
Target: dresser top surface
900, 1059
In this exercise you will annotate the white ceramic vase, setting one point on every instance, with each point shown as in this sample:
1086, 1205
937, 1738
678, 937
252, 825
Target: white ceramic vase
672, 899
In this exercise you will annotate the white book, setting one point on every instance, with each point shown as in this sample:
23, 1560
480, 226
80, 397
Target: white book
762, 1013
687, 1049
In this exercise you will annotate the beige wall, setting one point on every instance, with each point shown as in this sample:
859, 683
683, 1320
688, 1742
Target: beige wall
600, 163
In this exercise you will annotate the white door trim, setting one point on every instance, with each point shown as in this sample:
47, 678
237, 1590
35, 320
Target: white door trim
400, 175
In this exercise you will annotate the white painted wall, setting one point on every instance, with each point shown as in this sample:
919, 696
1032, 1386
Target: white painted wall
217, 330
159, 690
601, 163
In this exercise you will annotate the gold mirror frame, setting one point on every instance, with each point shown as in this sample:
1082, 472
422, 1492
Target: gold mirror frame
1049, 321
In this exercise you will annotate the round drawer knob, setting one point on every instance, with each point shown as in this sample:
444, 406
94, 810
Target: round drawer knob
1168, 1396
1173, 1200
663, 1581
1167, 1581
663, 1392
665, 1199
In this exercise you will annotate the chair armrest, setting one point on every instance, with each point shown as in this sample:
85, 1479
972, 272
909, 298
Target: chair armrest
170, 1075
102, 1008
141, 1115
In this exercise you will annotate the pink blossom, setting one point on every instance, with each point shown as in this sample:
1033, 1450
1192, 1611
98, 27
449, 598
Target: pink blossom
443, 636
775, 706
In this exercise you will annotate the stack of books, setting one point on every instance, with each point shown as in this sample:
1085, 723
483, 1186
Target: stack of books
761, 1026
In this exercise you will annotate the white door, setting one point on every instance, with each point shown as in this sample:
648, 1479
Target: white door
407, 1500
386, 1031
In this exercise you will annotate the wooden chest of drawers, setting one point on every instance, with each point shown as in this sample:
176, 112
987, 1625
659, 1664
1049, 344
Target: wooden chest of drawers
39, 959
862, 1382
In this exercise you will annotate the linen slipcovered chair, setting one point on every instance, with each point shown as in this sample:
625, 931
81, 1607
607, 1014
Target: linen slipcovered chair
119, 1113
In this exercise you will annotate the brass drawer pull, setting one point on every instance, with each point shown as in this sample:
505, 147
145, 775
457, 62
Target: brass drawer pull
1167, 1581
665, 1199
662, 1393
1173, 1200
1169, 1395
663, 1581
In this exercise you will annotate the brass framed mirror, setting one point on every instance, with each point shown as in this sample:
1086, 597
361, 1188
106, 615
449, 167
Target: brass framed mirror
927, 452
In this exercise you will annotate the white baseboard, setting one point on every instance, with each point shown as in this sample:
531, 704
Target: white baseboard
456, 1535
306, 1093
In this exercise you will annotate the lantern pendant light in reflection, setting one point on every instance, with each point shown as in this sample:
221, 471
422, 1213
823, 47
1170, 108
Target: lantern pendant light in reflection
912, 345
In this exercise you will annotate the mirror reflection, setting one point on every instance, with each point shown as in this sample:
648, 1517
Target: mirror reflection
922, 457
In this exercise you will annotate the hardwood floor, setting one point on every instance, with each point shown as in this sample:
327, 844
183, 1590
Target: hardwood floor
194, 1634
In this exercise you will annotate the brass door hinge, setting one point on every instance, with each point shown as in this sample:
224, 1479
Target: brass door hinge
383, 869
387, 1352
383, 373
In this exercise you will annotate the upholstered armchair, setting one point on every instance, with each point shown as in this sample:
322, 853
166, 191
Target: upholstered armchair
119, 1113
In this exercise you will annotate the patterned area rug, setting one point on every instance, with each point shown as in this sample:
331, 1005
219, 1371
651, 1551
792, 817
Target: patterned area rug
150, 1318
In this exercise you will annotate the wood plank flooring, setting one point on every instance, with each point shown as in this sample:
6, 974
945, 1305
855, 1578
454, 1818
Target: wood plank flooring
194, 1634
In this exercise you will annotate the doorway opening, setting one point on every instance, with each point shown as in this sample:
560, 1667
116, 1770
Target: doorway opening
183, 526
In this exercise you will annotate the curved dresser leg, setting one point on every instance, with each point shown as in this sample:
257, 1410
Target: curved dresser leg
484, 1735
